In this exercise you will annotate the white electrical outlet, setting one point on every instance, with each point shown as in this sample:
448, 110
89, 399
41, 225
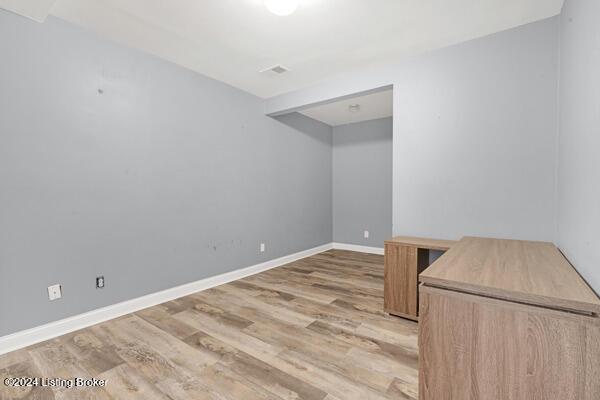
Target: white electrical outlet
262, 247
366, 234
54, 292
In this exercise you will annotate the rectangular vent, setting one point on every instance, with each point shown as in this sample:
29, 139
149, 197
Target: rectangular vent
276, 69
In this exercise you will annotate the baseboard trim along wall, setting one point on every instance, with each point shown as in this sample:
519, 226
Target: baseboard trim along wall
51, 330
356, 247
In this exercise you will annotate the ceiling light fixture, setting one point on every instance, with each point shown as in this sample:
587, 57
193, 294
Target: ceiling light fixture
281, 7
354, 108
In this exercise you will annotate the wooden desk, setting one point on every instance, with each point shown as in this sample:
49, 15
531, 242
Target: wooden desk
405, 258
507, 319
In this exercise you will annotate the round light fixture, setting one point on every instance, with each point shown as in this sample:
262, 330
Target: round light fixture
354, 108
281, 7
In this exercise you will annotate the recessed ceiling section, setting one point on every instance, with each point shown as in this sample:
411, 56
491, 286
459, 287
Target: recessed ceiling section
233, 40
356, 109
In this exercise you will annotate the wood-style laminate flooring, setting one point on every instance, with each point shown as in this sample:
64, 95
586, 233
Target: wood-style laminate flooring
312, 329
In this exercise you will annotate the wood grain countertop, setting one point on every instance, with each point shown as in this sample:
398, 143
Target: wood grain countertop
522, 271
422, 243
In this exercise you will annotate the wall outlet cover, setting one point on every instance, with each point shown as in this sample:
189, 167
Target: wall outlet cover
262, 247
366, 234
54, 292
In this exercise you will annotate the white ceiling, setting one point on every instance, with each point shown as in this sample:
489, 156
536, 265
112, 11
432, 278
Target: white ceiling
35, 9
232, 40
372, 106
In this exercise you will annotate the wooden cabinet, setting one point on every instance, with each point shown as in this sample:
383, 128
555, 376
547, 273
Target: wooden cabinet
405, 259
507, 320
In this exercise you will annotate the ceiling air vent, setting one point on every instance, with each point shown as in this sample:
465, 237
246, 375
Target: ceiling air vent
275, 69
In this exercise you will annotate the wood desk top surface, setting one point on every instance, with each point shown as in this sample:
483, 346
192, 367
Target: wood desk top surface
422, 243
530, 272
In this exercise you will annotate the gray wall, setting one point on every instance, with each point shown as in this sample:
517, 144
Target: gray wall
165, 177
475, 138
475, 134
579, 140
362, 182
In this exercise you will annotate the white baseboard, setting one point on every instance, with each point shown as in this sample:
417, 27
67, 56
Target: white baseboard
356, 247
51, 330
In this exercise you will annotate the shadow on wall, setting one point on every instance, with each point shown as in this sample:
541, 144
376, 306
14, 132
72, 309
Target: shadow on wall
310, 127
374, 131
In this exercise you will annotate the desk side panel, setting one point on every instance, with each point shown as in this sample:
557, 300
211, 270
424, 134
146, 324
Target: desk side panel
475, 348
400, 280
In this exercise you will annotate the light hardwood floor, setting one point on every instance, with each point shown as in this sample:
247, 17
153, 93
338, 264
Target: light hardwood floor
313, 329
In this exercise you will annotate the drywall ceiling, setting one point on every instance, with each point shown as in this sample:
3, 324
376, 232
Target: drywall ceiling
372, 106
35, 9
232, 40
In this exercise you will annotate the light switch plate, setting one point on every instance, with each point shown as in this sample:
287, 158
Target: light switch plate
366, 234
54, 292
262, 247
